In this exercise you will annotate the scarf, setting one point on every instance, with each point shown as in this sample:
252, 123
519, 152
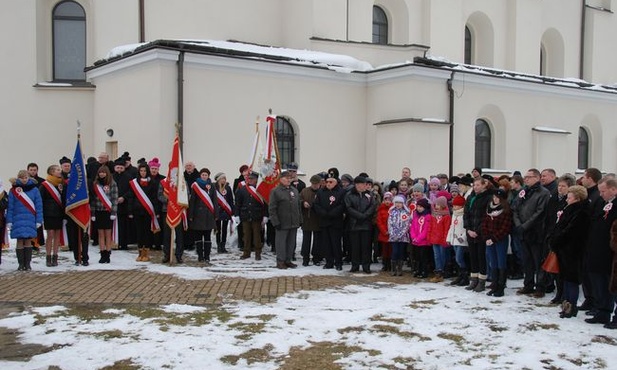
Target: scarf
55, 181
494, 210
203, 183
143, 181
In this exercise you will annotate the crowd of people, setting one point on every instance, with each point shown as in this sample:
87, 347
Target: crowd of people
479, 230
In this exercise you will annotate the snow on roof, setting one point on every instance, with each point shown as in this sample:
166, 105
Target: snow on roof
550, 129
335, 62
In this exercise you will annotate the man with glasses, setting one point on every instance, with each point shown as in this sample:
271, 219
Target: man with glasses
529, 218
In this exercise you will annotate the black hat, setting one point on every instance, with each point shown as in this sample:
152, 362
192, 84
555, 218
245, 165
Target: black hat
347, 177
331, 176
359, 180
126, 156
286, 174
254, 175
120, 162
363, 174
491, 179
454, 179
64, 160
466, 180
369, 180
142, 160
500, 193
479, 169
333, 171
292, 166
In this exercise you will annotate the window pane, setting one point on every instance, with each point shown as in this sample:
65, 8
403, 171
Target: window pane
380, 26
285, 140
483, 145
69, 49
583, 148
467, 46
69, 9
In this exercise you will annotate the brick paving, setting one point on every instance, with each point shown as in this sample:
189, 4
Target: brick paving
142, 287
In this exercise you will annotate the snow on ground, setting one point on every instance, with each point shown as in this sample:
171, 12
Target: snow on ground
420, 326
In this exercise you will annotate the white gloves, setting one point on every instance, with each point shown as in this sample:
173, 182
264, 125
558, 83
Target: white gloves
112, 217
235, 219
8, 226
93, 218
264, 221
38, 225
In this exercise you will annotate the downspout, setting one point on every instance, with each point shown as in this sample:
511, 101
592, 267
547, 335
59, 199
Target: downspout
581, 60
451, 119
180, 100
142, 21
347, 22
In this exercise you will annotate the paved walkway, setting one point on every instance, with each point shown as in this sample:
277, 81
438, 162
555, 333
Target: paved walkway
142, 287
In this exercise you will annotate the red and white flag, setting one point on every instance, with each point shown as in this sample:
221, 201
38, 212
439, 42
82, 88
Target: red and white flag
175, 187
268, 164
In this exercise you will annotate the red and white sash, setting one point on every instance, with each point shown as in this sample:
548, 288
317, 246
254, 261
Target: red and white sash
53, 191
254, 194
204, 196
220, 199
102, 196
147, 204
24, 199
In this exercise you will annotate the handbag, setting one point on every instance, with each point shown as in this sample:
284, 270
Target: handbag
551, 264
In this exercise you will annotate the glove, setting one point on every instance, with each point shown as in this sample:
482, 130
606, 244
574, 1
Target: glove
8, 226
235, 219
93, 218
264, 221
38, 225
112, 217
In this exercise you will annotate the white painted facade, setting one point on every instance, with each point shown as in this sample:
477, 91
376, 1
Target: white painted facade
334, 114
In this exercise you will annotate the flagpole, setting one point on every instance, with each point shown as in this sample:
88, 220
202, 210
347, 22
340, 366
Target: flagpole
276, 145
79, 230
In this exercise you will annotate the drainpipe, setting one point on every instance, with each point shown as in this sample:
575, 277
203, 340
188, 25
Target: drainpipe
142, 22
451, 119
581, 60
347, 22
180, 99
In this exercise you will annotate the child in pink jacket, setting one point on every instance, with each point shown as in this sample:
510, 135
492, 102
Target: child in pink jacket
418, 233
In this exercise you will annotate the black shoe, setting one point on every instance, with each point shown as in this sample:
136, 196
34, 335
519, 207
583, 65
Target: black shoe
339, 268
316, 263
327, 267
85, 263
179, 259
586, 306
611, 325
354, 269
592, 312
366, 271
305, 263
165, 259
556, 300
597, 320
525, 290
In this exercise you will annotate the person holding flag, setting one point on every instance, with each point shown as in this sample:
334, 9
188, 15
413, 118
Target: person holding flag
24, 216
203, 212
142, 211
104, 203
53, 212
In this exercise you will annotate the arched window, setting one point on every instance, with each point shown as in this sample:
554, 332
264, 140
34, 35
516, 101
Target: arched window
468, 45
380, 26
483, 144
583, 148
69, 41
542, 61
285, 139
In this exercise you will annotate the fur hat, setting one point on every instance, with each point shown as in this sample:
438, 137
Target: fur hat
154, 163
64, 160
120, 162
126, 156
466, 180
458, 201
418, 187
333, 171
423, 203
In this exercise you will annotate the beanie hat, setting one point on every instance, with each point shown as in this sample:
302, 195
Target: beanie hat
399, 199
418, 187
434, 181
458, 201
454, 188
120, 162
359, 180
423, 203
347, 177
154, 163
442, 202
501, 193
387, 195
64, 160
218, 176
445, 194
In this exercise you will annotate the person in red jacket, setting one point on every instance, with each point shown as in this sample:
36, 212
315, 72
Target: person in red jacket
382, 226
440, 224
496, 226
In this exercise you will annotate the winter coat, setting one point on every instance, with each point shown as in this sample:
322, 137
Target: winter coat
613, 282
529, 215
496, 224
248, 208
555, 204
124, 191
457, 234
330, 206
23, 222
568, 238
310, 219
229, 197
134, 205
598, 254
51, 208
475, 209
420, 229
382, 222
112, 193
360, 208
4, 204
199, 214
285, 207
399, 221
440, 224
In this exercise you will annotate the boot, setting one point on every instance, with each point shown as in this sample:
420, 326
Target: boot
258, 255
145, 257
366, 268
501, 283
207, 251
437, 278
103, 253
223, 249
492, 288
473, 282
465, 280
54, 260
108, 257
481, 285
141, 255
399, 268
20, 259
48, 260
199, 246
458, 278
27, 258
394, 268
165, 258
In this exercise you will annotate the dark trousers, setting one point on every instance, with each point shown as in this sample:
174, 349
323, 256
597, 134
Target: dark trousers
532, 255
586, 283
74, 232
424, 254
252, 236
570, 292
361, 244
178, 237
477, 256
221, 232
123, 231
331, 246
603, 299
143, 230
311, 245
157, 239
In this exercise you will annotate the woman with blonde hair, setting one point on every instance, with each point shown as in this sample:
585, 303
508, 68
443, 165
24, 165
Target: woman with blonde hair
104, 203
53, 212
